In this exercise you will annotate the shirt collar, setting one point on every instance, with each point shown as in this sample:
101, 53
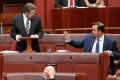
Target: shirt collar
24, 17
101, 38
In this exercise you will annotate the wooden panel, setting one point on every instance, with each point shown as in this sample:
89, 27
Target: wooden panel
6, 19
83, 18
49, 5
114, 3
76, 18
56, 21
114, 16
12, 8
40, 10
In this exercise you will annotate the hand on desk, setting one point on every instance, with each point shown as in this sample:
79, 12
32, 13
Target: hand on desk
18, 37
108, 52
34, 36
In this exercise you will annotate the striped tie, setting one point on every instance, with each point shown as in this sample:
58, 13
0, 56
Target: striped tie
27, 26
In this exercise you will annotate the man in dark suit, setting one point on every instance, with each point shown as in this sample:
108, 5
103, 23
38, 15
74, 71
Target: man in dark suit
97, 42
66, 3
27, 25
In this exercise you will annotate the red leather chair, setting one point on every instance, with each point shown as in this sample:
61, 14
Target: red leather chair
13, 46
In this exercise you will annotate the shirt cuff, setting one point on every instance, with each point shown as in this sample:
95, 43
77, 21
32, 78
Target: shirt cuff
67, 41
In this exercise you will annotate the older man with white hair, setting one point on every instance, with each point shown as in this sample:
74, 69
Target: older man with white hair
48, 74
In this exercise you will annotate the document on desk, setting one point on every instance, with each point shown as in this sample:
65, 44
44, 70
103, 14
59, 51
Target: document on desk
101, 6
9, 51
82, 7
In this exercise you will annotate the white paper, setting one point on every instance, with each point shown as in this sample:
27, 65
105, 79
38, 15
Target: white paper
8, 51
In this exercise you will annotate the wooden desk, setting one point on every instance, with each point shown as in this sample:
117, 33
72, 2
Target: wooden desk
29, 41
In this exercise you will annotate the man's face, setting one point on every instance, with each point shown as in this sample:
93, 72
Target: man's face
31, 14
95, 31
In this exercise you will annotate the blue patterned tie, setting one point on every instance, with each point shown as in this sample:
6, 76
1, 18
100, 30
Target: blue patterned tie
27, 26
97, 46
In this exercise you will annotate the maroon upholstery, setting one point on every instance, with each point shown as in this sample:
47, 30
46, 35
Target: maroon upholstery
52, 58
55, 59
17, 62
13, 46
16, 58
5, 42
35, 76
89, 63
52, 42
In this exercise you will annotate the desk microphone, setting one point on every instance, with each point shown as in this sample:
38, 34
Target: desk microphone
31, 57
72, 64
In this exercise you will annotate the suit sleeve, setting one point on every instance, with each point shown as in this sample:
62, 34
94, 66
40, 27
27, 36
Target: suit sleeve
39, 29
77, 44
13, 29
58, 3
116, 53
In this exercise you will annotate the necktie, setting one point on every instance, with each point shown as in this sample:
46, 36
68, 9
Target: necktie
71, 2
97, 46
27, 26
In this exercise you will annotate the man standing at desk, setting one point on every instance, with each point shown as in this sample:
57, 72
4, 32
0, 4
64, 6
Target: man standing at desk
69, 3
27, 25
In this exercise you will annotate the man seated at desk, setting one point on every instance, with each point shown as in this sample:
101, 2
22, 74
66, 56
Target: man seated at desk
69, 3
97, 42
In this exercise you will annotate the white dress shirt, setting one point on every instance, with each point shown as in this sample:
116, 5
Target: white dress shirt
25, 20
101, 42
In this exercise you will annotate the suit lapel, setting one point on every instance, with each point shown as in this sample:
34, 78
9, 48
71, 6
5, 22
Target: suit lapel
91, 43
104, 44
22, 24
32, 25
66, 3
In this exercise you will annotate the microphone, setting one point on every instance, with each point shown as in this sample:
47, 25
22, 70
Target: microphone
31, 57
72, 64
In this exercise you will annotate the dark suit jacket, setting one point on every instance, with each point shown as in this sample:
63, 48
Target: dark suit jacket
19, 28
88, 41
64, 3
